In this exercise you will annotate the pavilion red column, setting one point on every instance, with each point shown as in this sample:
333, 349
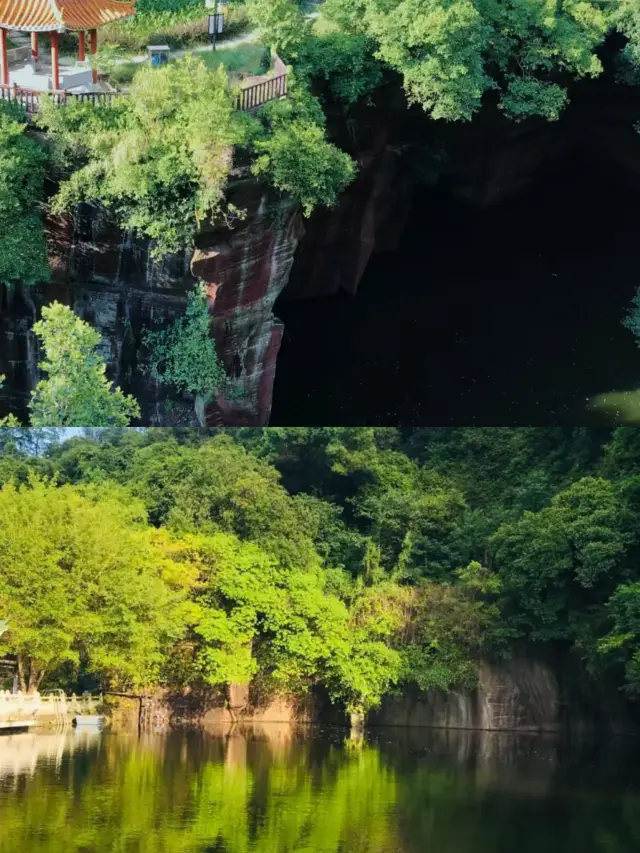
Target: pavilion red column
81, 46
34, 46
93, 47
4, 58
55, 60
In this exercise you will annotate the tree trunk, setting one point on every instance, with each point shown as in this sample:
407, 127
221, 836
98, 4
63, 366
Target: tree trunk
35, 677
356, 726
21, 679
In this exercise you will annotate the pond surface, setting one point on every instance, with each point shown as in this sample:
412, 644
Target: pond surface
272, 790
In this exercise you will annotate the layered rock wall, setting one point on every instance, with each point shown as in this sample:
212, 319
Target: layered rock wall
112, 281
521, 694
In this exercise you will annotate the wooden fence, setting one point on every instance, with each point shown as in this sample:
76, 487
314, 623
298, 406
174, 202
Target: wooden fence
265, 89
30, 98
254, 96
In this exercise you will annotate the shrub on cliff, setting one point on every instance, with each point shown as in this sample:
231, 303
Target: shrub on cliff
76, 391
184, 355
23, 252
292, 151
158, 158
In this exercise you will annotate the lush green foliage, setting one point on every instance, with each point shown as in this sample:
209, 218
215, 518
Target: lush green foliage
184, 355
453, 54
365, 559
23, 253
298, 160
293, 153
281, 25
344, 60
159, 157
107, 593
76, 391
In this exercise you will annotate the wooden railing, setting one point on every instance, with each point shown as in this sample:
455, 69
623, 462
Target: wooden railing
30, 99
254, 96
250, 97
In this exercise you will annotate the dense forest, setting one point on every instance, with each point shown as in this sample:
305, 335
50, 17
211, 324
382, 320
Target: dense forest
362, 560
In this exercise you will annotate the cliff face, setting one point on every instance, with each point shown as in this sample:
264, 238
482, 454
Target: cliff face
516, 695
246, 269
111, 281
519, 695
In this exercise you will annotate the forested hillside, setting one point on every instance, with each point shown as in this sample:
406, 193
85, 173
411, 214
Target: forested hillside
359, 559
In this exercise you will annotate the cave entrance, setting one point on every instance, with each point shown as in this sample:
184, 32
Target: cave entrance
503, 316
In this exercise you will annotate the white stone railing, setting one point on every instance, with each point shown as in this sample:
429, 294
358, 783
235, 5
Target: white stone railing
29, 706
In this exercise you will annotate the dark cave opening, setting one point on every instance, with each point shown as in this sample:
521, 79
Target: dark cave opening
507, 315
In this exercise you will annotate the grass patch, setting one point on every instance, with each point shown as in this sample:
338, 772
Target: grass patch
242, 60
178, 27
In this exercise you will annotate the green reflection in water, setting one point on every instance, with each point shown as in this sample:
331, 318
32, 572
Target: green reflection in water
273, 791
177, 794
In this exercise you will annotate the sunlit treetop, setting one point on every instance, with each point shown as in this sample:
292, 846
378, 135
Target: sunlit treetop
453, 54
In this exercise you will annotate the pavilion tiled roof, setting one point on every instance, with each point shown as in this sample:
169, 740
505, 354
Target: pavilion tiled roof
48, 15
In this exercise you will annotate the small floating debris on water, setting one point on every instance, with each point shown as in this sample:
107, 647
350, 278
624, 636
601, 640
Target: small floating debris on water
621, 407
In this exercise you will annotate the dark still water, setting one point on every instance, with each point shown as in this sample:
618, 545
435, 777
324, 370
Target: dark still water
505, 316
272, 791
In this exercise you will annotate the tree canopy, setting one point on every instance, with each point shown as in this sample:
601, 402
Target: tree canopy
76, 391
23, 255
357, 560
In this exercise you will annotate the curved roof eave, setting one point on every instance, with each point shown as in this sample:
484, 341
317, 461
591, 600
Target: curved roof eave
62, 15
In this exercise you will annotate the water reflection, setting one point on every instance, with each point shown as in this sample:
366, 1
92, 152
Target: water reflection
278, 790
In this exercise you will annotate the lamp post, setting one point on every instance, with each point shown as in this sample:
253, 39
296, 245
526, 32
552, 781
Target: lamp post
216, 21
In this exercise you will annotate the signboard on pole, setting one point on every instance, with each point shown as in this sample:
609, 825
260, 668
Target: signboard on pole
216, 23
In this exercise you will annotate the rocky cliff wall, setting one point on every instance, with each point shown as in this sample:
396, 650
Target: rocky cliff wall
517, 695
211, 709
111, 280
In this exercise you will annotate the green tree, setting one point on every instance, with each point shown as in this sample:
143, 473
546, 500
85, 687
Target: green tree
159, 159
452, 53
559, 562
281, 25
449, 629
296, 157
345, 61
621, 646
23, 252
76, 391
84, 580
184, 355
219, 487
